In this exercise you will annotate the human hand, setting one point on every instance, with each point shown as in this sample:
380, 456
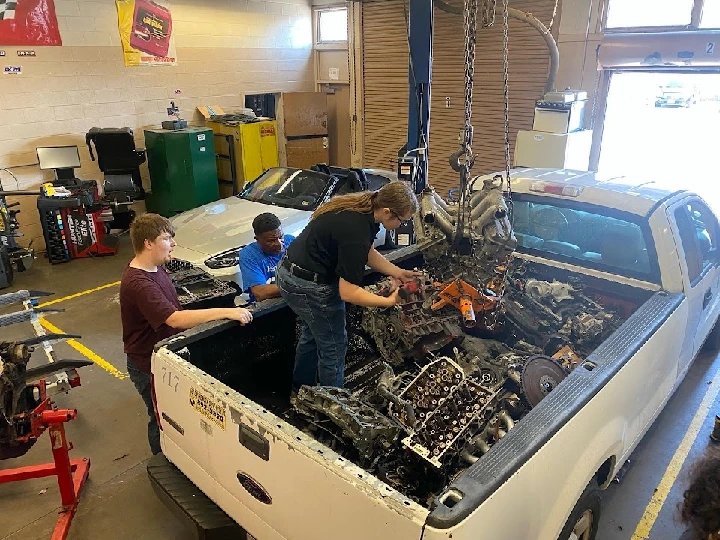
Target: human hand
393, 299
241, 315
407, 275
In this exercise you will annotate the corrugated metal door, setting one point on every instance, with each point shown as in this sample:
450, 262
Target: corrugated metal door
385, 80
385, 56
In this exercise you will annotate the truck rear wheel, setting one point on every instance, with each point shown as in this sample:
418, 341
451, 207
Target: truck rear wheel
585, 517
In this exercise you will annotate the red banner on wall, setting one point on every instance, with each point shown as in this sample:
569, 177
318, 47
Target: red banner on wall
28, 22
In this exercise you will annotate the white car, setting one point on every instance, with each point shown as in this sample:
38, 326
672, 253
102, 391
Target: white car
212, 235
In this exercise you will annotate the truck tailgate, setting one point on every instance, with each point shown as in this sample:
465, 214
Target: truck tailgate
275, 481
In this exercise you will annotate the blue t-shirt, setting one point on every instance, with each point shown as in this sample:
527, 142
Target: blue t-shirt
257, 268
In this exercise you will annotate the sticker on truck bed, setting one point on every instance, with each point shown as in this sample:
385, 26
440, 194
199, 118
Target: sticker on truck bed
209, 407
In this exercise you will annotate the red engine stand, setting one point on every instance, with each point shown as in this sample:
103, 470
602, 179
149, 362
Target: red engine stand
71, 474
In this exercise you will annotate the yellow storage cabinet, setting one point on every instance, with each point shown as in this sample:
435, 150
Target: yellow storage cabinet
255, 149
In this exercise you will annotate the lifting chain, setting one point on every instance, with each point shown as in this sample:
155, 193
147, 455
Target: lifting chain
488, 13
470, 23
506, 101
463, 160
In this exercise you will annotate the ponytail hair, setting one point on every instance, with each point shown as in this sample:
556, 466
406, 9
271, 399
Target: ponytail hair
398, 196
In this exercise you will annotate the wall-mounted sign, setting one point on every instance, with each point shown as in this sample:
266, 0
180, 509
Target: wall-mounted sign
334, 74
28, 23
26, 53
12, 70
146, 32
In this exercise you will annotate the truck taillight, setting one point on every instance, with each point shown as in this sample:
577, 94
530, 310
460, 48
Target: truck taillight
154, 400
556, 189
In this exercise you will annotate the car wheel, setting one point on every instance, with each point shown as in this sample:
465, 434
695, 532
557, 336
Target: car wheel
585, 518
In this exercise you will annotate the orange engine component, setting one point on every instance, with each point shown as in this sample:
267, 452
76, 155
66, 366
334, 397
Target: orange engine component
465, 298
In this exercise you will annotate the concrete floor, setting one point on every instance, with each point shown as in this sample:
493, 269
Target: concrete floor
118, 502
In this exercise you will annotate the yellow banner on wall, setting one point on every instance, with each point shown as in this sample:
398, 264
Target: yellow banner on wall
145, 28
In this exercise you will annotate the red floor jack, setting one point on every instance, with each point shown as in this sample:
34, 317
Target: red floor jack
71, 474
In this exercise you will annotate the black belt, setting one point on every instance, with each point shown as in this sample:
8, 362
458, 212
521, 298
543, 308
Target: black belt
307, 275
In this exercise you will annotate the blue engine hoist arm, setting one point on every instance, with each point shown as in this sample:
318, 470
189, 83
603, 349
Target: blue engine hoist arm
420, 36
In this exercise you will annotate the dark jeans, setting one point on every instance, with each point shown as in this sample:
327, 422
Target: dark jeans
320, 353
142, 383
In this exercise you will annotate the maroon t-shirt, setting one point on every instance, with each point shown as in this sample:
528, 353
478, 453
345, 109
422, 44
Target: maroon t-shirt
147, 299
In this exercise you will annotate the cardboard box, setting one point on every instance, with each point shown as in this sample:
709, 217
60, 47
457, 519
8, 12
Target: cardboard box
304, 114
553, 150
304, 153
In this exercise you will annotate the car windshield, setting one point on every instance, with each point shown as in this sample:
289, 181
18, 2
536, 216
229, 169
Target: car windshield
291, 188
612, 243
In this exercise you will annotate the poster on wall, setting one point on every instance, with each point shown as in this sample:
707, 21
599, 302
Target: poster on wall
146, 32
28, 22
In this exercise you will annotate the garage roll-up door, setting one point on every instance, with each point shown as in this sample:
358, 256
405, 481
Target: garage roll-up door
385, 68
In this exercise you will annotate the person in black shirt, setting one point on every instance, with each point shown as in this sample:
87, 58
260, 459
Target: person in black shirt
324, 268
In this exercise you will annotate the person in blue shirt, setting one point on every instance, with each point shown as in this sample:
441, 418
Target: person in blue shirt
259, 260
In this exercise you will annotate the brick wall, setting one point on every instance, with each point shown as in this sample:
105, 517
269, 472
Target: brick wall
225, 49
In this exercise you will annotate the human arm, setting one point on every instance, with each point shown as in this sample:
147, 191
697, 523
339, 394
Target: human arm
380, 264
263, 292
254, 276
355, 294
189, 318
158, 309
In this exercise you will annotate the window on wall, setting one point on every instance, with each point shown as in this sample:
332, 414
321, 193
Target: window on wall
332, 25
638, 13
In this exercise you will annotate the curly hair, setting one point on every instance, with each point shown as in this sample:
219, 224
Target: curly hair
265, 222
700, 508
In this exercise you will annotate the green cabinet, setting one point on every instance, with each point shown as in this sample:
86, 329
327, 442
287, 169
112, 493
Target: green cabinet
183, 173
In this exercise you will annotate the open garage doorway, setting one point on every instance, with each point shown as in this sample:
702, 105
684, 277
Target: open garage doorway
664, 126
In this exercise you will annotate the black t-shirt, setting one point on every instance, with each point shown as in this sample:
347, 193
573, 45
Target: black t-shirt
336, 245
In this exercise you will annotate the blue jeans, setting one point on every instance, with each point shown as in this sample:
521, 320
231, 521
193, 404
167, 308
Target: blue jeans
320, 353
142, 383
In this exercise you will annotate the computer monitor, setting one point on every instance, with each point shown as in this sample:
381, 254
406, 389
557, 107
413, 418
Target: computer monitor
58, 157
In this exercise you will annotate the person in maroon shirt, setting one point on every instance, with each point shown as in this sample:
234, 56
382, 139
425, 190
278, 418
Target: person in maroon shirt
150, 310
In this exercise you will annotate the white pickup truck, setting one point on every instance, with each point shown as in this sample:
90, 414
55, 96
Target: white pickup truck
647, 252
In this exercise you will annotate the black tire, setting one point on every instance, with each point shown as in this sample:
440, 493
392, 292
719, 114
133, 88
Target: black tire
588, 507
712, 342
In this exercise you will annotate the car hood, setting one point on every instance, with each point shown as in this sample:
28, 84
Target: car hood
227, 224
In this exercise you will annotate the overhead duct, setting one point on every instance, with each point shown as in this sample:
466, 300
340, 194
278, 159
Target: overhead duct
527, 18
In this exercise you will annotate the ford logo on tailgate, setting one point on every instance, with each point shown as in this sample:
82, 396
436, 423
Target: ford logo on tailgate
254, 488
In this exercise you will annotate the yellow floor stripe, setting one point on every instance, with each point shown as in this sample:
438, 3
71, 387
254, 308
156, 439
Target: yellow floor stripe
673, 469
82, 293
82, 349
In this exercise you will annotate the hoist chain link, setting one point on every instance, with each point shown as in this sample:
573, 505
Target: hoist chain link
488, 13
506, 96
470, 22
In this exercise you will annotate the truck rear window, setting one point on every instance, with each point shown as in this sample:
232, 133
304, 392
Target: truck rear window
588, 237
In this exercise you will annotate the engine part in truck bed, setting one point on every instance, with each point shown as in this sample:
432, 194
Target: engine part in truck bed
365, 426
190, 505
409, 330
539, 377
449, 422
197, 289
483, 478
435, 383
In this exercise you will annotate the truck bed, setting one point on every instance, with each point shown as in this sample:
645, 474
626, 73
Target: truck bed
256, 361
